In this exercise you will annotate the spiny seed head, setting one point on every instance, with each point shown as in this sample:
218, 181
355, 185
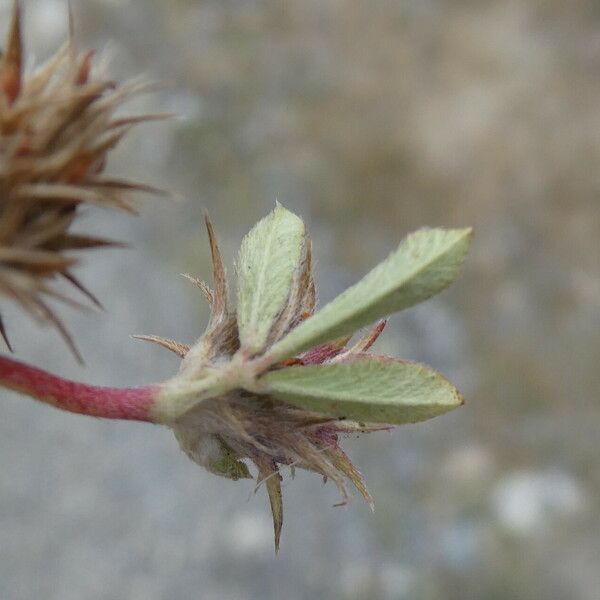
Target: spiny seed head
57, 127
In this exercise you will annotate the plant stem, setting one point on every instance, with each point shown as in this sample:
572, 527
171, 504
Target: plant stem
96, 401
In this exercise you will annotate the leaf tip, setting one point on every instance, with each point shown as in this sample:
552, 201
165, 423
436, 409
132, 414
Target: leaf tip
468, 233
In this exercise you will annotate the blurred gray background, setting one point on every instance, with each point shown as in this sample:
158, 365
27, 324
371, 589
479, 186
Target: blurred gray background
369, 119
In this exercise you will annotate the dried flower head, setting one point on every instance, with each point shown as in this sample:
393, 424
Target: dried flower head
274, 383
57, 126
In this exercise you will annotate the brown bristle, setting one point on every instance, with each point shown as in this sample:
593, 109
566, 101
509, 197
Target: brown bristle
57, 126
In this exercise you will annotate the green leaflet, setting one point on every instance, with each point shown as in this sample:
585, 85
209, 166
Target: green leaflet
370, 389
269, 255
424, 264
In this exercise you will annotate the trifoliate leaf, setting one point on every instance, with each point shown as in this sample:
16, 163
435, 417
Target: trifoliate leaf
424, 264
269, 256
368, 388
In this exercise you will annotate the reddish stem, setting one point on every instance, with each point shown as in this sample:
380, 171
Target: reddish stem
96, 401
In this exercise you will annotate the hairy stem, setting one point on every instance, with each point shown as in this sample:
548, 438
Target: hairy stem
96, 401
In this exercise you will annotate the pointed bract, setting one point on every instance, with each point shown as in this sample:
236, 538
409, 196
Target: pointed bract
180, 349
220, 339
270, 477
